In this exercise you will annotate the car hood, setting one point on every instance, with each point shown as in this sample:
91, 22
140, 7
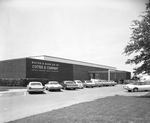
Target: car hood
71, 84
89, 83
54, 85
79, 84
129, 85
37, 86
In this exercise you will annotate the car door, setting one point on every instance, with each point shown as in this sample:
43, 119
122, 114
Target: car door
143, 86
147, 84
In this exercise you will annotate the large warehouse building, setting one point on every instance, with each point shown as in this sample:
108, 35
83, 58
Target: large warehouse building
59, 69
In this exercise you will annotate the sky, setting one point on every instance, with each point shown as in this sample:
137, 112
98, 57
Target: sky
94, 31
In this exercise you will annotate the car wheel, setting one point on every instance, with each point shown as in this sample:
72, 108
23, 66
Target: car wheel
129, 90
135, 89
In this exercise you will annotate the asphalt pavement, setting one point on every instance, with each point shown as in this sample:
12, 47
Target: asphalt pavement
16, 104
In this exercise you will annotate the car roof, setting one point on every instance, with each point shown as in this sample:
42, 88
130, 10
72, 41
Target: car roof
35, 82
52, 81
78, 80
68, 81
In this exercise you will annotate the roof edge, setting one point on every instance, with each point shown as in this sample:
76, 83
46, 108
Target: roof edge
64, 60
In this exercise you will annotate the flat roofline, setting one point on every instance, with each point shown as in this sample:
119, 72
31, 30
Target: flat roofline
64, 60
111, 71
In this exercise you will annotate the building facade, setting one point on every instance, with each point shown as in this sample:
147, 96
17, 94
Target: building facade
59, 69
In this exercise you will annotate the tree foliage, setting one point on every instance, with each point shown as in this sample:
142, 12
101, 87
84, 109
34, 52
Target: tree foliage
139, 43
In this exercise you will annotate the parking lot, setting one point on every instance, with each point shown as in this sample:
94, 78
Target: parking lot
19, 104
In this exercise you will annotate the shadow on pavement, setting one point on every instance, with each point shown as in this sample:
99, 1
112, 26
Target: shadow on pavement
34, 93
55, 91
145, 96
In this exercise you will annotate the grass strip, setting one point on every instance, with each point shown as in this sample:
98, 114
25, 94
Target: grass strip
115, 109
6, 88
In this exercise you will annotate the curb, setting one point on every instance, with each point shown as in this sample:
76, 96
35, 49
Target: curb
13, 90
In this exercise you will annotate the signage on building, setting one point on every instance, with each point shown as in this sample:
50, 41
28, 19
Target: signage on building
36, 68
44, 66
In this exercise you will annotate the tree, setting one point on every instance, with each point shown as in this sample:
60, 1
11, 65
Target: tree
139, 43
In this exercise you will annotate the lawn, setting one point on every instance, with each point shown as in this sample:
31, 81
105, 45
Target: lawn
6, 88
115, 109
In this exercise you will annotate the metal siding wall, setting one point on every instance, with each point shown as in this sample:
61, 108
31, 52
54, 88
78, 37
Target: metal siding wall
13, 68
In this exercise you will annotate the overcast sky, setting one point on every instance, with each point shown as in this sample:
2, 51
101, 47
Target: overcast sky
94, 31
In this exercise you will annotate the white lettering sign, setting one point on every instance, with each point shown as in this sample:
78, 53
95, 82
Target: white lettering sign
44, 66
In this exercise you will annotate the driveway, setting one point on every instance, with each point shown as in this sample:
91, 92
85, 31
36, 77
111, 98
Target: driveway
20, 104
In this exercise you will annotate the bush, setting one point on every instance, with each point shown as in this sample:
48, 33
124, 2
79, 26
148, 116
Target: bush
20, 81
12, 82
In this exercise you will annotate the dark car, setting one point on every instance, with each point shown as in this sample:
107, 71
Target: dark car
69, 85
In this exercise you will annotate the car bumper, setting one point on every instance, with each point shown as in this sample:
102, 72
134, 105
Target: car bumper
127, 88
89, 85
71, 87
80, 87
36, 90
55, 88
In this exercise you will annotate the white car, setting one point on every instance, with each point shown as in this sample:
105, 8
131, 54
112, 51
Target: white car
53, 85
109, 83
137, 86
89, 84
79, 83
97, 82
35, 87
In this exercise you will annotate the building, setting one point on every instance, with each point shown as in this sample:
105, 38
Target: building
59, 69
115, 75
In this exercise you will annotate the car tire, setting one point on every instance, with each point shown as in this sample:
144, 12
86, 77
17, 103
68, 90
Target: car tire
135, 90
129, 90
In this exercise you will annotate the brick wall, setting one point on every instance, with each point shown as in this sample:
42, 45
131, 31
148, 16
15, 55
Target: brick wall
13, 68
63, 72
82, 72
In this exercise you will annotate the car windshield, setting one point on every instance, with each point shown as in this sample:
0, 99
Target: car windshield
69, 82
78, 81
53, 83
139, 83
36, 83
147, 83
88, 81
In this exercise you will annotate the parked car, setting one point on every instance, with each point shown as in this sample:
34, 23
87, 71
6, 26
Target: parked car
69, 85
79, 83
97, 82
89, 83
129, 81
53, 85
108, 83
137, 86
35, 87
113, 83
